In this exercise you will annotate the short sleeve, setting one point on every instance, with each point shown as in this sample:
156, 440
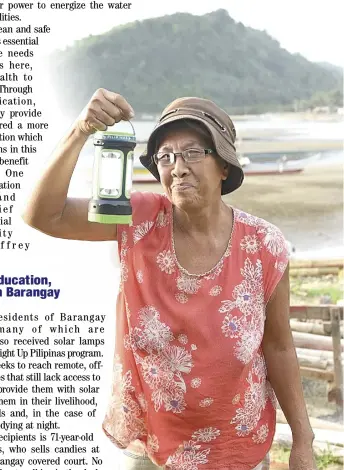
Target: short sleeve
146, 207
274, 256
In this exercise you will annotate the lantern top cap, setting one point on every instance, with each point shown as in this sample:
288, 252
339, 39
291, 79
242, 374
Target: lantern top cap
122, 131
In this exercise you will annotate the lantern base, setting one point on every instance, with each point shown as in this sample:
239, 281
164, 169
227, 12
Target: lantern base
110, 218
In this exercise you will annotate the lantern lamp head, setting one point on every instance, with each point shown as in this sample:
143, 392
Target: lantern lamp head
112, 175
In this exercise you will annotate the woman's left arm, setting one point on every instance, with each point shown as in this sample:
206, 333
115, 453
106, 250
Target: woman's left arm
284, 375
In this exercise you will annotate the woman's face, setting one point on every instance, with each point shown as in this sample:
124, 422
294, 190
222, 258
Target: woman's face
191, 185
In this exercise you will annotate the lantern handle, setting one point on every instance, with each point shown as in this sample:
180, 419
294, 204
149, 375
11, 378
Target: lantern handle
132, 127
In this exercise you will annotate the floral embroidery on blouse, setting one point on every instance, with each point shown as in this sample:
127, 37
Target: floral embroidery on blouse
206, 402
139, 276
165, 261
142, 230
183, 339
248, 298
250, 243
162, 220
206, 434
164, 365
273, 239
261, 434
247, 417
188, 285
182, 298
255, 399
281, 266
216, 290
196, 382
152, 444
124, 418
191, 454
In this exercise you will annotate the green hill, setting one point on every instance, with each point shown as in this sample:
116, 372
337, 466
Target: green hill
154, 61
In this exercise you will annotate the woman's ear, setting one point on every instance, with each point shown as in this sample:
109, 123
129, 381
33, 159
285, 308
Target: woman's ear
226, 169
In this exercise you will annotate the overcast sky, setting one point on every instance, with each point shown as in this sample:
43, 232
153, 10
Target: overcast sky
311, 28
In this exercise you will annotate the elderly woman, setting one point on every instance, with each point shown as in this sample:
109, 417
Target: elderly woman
203, 345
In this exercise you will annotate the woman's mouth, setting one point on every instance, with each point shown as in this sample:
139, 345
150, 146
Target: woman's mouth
182, 186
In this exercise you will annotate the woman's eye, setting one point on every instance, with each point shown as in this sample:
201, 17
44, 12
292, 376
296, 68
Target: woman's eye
164, 157
193, 153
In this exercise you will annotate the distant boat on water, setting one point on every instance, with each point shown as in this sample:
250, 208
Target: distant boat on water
280, 166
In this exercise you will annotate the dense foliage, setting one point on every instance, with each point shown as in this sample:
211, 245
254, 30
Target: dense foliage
154, 61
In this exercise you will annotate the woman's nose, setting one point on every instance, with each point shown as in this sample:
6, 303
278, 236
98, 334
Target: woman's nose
180, 168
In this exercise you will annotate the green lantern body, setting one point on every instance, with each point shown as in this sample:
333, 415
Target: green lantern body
112, 177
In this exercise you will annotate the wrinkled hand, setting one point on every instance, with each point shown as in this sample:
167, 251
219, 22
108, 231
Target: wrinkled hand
302, 458
104, 109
